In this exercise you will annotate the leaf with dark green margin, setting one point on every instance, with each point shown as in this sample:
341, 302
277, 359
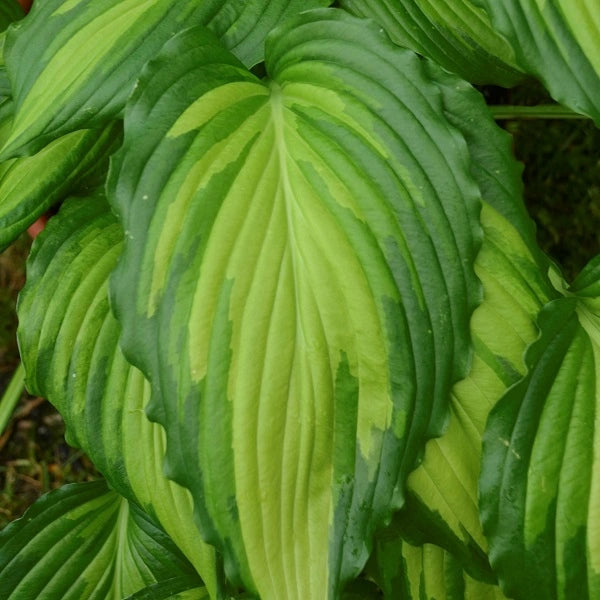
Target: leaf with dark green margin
297, 286
30, 186
407, 572
558, 42
457, 35
69, 346
84, 541
541, 463
442, 506
56, 93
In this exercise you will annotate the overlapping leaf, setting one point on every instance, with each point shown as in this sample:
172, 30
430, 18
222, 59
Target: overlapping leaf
558, 42
457, 35
297, 287
30, 186
85, 541
73, 63
69, 346
415, 572
443, 506
540, 470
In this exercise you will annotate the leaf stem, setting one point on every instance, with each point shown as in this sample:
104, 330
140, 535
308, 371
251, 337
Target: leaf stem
543, 111
11, 396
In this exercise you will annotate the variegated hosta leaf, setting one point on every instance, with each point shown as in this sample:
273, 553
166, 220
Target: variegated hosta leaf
297, 284
540, 490
73, 63
85, 541
30, 186
456, 34
557, 40
69, 346
443, 491
408, 572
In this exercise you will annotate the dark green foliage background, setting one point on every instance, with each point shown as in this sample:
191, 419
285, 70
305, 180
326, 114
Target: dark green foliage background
561, 176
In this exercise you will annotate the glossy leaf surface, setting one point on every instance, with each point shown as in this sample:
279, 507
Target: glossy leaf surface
297, 266
84, 541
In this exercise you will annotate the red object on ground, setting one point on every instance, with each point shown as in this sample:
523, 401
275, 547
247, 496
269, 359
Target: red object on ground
26, 4
36, 228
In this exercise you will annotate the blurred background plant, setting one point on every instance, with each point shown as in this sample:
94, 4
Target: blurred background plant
562, 176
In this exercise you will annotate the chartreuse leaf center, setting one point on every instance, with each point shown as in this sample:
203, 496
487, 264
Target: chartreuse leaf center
296, 284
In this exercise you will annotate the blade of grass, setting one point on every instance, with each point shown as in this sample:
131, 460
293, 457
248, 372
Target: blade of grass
11, 396
544, 111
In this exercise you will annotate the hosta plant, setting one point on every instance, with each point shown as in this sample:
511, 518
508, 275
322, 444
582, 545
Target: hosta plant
291, 303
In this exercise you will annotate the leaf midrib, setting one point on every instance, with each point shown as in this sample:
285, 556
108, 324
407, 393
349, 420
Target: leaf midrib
277, 115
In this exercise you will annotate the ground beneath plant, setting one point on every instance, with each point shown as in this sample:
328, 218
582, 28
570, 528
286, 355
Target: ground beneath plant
34, 457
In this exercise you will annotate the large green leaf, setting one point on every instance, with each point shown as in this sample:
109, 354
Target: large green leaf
541, 460
297, 284
73, 63
443, 507
69, 345
457, 35
84, 541
557, 40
